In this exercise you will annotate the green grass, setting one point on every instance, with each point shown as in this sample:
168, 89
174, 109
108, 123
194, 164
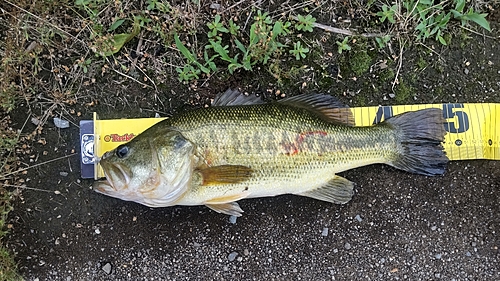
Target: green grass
8, 267
430, 19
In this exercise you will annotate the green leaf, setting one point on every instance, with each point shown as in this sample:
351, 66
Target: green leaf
254, 39
382, 16
202, 68
116, 24
456, 14
184, 51
441, 40
212, 66
277, 29
118, 41
240, 46
233, 28
480, 19
460, 5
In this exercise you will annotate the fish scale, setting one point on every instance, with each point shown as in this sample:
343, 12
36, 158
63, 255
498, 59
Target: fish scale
256, 136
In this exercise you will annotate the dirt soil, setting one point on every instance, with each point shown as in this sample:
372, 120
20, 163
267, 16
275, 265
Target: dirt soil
398, 225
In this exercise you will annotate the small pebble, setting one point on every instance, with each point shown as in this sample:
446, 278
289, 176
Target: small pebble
107, 268
325, 232
438, 256
466, 71
358, 218
215, 6
433, 228
35, 121
60, 123
347, 246
392, 95
232, 256
246, 252
64, 174
97, 231
232, 219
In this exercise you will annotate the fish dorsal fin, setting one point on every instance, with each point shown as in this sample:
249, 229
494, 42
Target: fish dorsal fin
338, 190
327, 107
225, 174
234, 97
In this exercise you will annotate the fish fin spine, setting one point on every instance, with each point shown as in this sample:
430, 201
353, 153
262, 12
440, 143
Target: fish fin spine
326, 107
234, 97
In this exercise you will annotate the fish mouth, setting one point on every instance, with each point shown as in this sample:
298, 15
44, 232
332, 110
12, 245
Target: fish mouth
117, 178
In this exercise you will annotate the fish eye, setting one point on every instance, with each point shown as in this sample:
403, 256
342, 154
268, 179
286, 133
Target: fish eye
122, 151
179, 142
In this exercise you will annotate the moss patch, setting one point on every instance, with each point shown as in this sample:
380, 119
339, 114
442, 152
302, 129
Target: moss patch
359, 62
403, 92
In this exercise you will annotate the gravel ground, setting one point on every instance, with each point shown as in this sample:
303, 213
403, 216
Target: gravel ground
398, 226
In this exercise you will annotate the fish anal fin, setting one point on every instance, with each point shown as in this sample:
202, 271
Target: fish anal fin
327, 107
230, 208
225, 174
338, 190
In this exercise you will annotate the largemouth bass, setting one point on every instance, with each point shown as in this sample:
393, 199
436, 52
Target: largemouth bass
244, 148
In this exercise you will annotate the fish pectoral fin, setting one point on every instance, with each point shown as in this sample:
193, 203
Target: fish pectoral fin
338, 190
225, 174
230, 208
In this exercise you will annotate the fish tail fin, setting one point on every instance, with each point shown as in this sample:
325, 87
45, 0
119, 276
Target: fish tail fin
420, 135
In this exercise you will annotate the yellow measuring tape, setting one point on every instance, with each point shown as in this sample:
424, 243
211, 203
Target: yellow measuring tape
472, 130
471, 127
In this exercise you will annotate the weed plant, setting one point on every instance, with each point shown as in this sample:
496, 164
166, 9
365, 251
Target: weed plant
227, 45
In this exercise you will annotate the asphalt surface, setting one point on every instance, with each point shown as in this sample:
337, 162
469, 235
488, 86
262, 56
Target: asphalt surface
399, 226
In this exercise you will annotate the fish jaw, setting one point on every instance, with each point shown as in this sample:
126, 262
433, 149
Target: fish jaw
118, 178
119, 184
104, 187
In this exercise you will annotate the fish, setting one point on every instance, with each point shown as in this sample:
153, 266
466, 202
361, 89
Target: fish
242, 147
